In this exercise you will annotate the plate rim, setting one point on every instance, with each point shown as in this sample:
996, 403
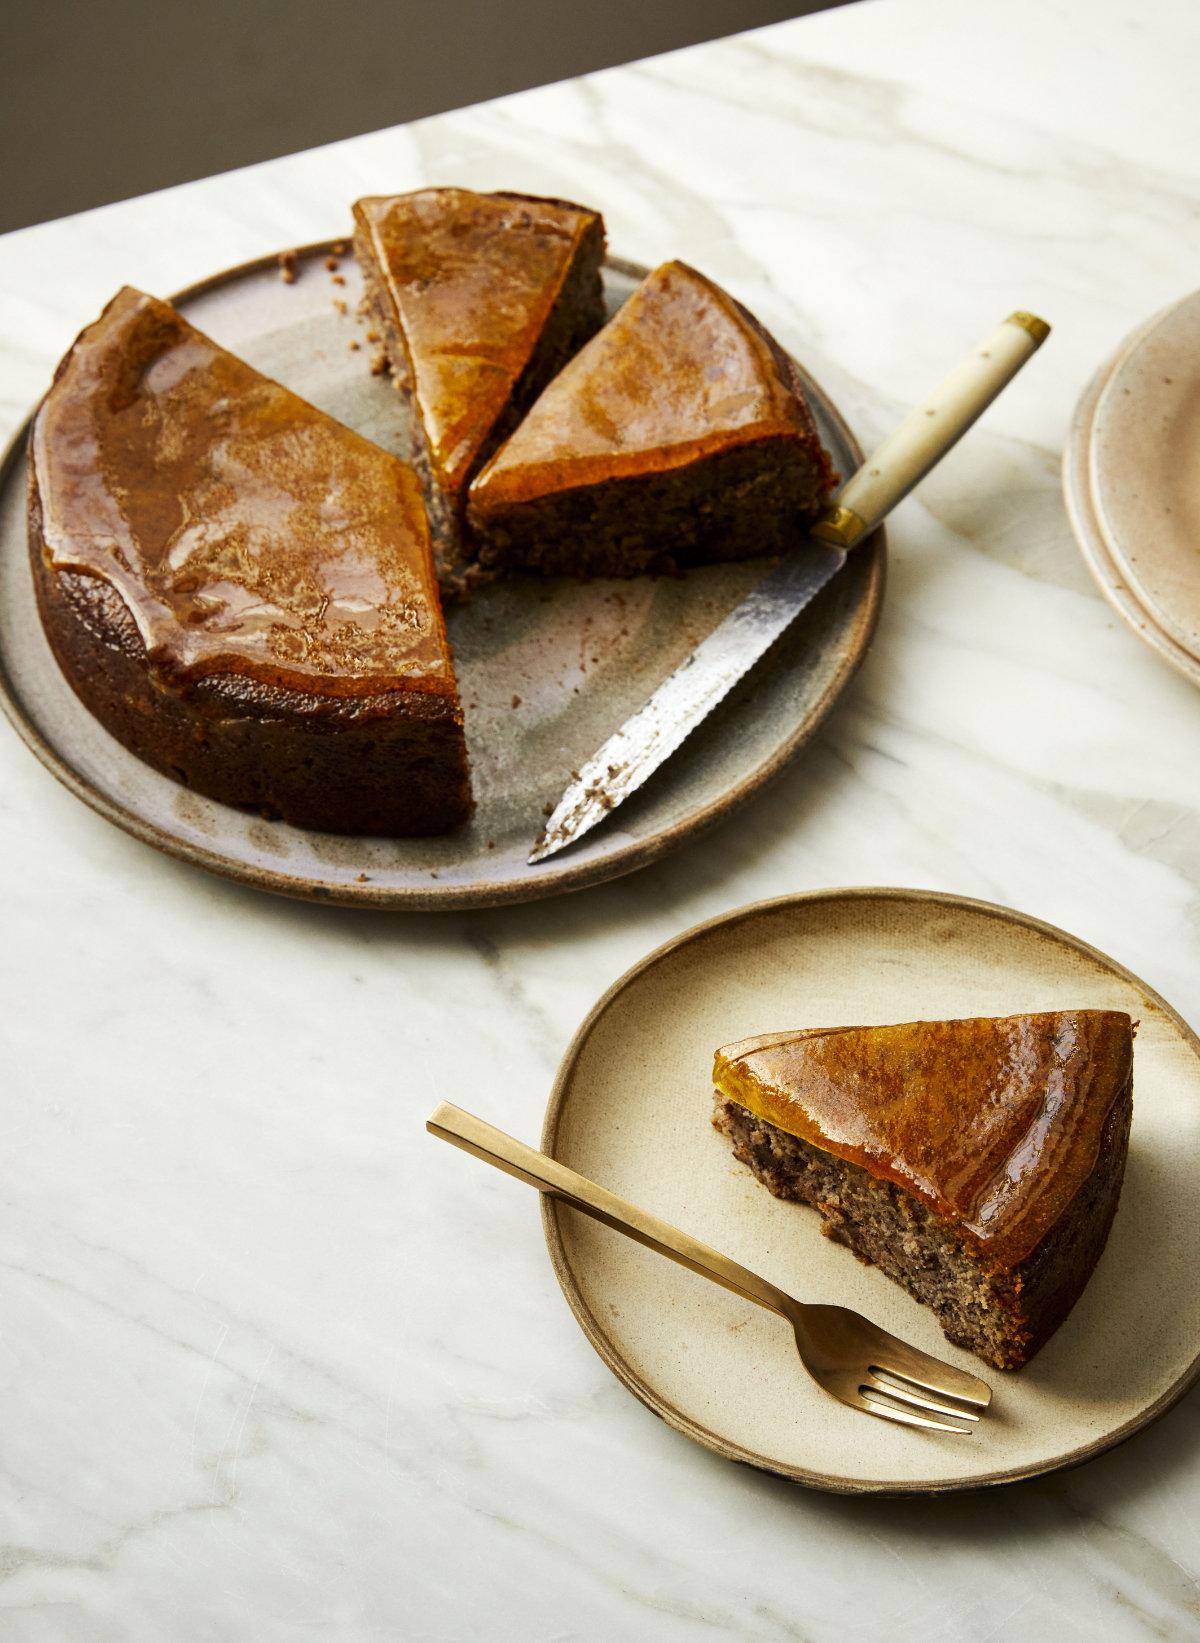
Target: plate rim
829, 1482
636, 854
1081, 507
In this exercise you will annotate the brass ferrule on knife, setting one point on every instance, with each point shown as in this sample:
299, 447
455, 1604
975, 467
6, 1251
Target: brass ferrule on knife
840, 527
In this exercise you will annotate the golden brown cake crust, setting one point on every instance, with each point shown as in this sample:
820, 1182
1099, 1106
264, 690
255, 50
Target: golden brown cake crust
470, 284
245, 530
680, 373
994, 1124
242, 594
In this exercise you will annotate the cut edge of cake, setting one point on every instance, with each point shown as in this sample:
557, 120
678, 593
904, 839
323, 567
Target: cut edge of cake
1003, 1310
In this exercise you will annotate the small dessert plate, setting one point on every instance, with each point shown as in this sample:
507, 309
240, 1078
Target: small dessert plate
1132, 482
546, 669
631, 1109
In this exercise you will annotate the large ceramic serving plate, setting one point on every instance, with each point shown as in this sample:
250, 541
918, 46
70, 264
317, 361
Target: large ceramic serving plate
631, 1109
1132, 482
547, 669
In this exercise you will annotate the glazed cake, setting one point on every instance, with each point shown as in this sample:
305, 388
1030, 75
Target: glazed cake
240, 588
977, 1163
479, 300
679, 435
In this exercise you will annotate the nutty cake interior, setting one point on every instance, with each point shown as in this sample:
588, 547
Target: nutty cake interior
978, 1163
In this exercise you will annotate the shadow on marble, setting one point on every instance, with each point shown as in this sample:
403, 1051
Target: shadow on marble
1145, 1465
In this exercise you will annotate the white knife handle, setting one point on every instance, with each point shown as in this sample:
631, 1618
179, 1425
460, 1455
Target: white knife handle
927, 433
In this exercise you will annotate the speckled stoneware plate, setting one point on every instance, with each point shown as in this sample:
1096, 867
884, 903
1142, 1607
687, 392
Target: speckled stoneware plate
547, 669
631, 1109
1132, 482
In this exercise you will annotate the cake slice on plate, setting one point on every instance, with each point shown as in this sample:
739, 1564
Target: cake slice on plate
240, 588
978, 1163
480, 299
679, 435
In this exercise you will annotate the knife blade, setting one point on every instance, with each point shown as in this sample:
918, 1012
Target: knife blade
688, 695
686, 698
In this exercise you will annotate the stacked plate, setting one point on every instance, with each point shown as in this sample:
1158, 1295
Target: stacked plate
1132, 479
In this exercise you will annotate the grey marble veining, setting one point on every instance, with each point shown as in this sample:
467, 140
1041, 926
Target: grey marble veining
273, 1365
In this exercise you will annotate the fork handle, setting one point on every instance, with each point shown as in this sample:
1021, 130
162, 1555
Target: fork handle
472, 1134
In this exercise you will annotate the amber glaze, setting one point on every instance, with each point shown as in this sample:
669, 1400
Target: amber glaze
994, 1124
245, 530
471, 279
680, 372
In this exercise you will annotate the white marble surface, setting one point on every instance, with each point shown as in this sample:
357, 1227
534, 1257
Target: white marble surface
276, 1366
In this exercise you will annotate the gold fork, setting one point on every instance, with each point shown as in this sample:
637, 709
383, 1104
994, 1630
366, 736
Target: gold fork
845, 1353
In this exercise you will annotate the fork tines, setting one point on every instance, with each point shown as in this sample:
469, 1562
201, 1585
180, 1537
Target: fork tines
897, 1397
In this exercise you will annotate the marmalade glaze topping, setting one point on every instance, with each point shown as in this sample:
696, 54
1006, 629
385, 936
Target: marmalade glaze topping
472, 279
245, 530
678, 373
994, 1123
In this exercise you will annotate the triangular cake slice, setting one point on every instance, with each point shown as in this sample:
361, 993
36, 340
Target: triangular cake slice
679, 435
978, 1163
240, 588
480, 299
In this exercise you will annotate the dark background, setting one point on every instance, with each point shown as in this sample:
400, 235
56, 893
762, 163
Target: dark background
103, 99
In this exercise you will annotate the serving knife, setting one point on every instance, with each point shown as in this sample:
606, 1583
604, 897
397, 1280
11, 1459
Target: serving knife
689, 695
